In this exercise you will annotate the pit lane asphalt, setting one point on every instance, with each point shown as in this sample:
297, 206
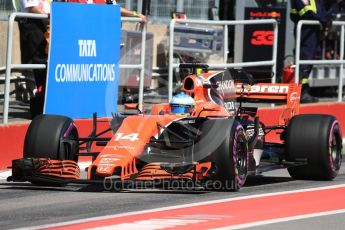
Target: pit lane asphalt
23, 205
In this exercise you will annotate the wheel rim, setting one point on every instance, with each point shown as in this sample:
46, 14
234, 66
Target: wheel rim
241, 160
335, 149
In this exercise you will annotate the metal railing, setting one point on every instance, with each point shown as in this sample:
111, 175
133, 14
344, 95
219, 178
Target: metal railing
10, 66
140, 66
340, 62
225, 25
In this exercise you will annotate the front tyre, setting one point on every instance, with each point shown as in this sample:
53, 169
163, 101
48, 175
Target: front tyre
53, 137
236, 159
230, 155
316, 138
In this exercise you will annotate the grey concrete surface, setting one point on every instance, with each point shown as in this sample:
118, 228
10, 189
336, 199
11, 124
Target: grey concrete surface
24, 205
333, 222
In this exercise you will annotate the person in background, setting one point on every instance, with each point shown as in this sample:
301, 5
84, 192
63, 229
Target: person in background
33, 47
124, 12
311, 35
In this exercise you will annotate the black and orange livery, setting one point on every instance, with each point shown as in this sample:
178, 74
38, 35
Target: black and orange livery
222, 140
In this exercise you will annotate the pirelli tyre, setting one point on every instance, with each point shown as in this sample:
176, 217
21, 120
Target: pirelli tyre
52, 136
318, 140
226, 143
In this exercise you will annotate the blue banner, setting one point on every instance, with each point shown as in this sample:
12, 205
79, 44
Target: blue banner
84, 57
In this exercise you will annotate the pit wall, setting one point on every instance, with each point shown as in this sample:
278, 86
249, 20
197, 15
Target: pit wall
12, 139
12, 135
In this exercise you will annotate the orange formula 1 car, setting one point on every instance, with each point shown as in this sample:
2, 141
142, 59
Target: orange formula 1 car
212, 139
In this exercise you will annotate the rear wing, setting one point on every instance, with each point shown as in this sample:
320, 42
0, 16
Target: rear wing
288, 94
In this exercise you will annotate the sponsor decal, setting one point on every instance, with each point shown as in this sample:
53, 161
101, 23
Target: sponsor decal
108, 160
199, 80
83, 65
206, 82
104, 167
226, 85
111, 155
230, 105
251, 131
120, 147
85, 72
272, 14
283, 89
294, 97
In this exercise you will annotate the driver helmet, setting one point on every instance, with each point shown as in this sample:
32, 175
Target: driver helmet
182, 103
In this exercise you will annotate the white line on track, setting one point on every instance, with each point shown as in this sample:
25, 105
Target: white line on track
185, 206
279, 220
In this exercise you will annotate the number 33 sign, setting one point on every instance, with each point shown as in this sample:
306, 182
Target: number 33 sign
262, 37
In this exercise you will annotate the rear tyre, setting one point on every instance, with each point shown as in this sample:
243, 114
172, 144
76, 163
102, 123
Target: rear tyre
230, 153
318, 139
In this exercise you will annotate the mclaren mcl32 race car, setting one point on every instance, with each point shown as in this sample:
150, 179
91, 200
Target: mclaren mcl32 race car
212, 139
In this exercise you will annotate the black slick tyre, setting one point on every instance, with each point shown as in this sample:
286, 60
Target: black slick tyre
52, 137
316, 138
226, 140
